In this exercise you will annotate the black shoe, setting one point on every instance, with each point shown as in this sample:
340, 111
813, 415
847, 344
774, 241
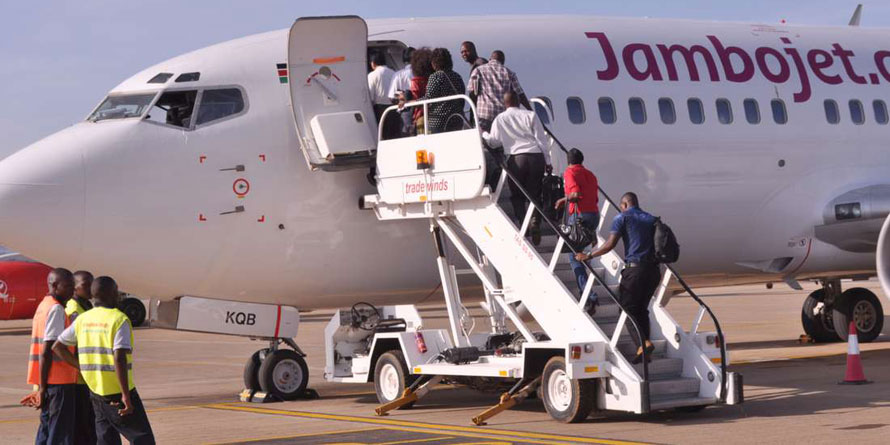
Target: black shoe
590, 308
639, 357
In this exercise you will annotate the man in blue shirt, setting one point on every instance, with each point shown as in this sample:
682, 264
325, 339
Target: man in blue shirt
641, 273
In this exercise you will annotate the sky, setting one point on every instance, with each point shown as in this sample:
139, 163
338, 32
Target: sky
59, 58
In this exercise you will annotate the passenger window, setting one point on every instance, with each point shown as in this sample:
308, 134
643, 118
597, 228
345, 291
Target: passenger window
666, 110
780, 113
831, 112
724, 111
217, 104
575, 107
696, 111
752, 111
857, 115
542, 112
637, 110
880, 108
607, 110
174, 108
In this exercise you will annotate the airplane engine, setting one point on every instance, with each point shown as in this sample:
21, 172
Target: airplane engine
883, 257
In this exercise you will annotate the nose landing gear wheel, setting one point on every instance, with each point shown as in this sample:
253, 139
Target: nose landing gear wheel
252, 370
391, 377
862, 307
817, 319
566, 400
284, 374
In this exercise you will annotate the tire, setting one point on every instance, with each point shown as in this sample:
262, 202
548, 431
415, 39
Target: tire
134, 309
862, 307
284, 374
566, 400
391, 377
816, 320
252, 370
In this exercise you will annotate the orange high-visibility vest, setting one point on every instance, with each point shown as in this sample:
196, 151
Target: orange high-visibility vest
60, 373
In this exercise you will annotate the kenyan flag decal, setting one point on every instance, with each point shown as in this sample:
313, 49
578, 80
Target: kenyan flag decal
282, 72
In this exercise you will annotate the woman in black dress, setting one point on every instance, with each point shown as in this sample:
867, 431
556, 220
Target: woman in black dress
444, 116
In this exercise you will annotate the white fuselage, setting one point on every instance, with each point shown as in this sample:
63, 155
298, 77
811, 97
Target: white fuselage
141, 201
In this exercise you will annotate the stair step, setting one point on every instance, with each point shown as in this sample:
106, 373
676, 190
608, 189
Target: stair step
677, 402
662, 368
628, 348
682, 386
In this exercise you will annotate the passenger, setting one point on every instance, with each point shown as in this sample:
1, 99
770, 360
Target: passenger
521, 135
641, 273
469, 55
379, 81
104, 340
421, 69
55, 396
401, 82
448, 115
487, 86
84, 420
582, 193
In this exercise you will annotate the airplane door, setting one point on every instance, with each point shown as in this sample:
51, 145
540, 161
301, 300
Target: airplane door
328, 78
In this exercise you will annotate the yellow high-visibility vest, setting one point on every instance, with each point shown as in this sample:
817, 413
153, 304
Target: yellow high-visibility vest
74, 307
95, 330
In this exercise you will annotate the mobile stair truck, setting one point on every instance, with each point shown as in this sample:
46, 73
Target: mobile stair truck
540, 340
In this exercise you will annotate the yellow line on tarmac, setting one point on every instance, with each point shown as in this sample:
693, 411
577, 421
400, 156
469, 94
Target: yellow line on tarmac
416, 440
421, 426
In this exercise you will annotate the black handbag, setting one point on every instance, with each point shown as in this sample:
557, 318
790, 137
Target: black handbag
576, 235
551, 191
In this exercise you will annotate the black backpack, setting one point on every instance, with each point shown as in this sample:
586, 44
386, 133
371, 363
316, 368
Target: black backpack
667, 250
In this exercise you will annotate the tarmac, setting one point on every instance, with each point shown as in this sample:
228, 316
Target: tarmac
190, 381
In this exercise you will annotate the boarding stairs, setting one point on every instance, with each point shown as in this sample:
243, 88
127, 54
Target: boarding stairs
440, 177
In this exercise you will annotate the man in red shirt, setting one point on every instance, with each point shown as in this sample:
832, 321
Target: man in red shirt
582, 194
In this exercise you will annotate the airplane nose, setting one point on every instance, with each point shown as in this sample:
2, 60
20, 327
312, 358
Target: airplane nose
42, 201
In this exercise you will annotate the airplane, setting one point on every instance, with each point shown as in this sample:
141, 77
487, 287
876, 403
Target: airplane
226, 180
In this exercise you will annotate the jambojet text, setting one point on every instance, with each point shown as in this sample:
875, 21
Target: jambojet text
737, 64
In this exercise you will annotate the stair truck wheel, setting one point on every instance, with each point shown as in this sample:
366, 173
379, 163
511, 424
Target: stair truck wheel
391, 377
862, 307
284, 374
817, 321
252, 370
134, 310
566, 400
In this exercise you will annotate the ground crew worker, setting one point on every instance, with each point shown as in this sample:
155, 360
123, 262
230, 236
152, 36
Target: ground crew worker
104, 340
55, 395
641, 273
84, 420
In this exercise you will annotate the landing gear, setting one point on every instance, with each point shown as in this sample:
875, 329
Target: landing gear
827, 312
134, 310
816, 318
280, 373
566, 400
862, 307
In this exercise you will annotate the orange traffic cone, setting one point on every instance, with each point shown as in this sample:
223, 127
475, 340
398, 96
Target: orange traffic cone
854, 376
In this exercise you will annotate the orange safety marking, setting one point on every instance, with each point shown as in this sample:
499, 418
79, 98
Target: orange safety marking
201, 159
201, 217
263, 158
241, 187
328, 60
262, 219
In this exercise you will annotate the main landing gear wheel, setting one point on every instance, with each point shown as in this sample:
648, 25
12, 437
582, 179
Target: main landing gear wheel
284, 374
391, 377
862, 307
252, 370
566, 400
817, 318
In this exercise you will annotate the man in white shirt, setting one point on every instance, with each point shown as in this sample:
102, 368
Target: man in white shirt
521, 134
401, 82
379, 81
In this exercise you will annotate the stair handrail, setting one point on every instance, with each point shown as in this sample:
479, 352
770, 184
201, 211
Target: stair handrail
683, 284
639, 333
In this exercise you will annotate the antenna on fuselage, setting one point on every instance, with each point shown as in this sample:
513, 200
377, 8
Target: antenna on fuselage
857, 16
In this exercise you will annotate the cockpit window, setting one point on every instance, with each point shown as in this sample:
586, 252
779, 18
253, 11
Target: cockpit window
174, 108
161, 78
217, 104
188, 77
122, 106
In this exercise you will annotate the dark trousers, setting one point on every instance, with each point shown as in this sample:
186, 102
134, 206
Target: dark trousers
589, 220
528, 168
635, 291
57, 416
110, 426
84, 420
392, 127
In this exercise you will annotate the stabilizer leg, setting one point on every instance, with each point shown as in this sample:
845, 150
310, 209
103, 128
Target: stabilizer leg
412, 394
508, 400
